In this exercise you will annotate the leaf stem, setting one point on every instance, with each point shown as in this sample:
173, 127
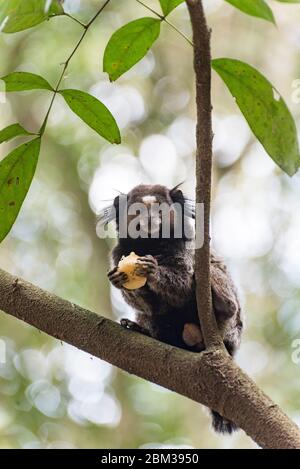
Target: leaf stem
66, 63
75, 19
150, 9
179, 32
163, 18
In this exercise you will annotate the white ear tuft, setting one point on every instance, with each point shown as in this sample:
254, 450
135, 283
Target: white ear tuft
106, 215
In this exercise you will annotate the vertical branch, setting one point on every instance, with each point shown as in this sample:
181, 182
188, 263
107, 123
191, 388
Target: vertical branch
202, 66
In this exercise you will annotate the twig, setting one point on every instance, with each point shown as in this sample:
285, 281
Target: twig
66, 63
75, 19
163, 18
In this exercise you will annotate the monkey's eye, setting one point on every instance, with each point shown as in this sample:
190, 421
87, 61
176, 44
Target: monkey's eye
178, 192
116, 201
177, 195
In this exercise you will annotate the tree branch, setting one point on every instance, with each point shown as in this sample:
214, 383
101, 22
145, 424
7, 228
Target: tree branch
163, 18
202, 66
210, 378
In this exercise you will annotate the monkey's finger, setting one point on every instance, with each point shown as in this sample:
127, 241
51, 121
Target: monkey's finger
115, 272
146, 262
133, 326
141, 272
145, 271
146, 258
128, 324
112, 271
147, 267
118, 277
118, 282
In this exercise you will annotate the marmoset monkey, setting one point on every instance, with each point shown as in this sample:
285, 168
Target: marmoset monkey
166, 306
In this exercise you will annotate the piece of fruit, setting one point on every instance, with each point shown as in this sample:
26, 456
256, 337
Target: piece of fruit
128, 265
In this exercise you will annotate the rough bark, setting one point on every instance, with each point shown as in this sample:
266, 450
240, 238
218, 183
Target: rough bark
210, 378
204, 135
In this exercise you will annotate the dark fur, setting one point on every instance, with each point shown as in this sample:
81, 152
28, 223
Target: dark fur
167, 302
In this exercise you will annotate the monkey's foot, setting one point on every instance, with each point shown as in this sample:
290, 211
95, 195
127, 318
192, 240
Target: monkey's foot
192, 336
133, 326
146, 266
117, 278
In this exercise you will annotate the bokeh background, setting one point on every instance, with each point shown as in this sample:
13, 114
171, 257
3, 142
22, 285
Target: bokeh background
54, 396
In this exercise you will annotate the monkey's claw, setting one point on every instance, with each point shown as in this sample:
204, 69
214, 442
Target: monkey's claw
117, 278
127, 324
133, 326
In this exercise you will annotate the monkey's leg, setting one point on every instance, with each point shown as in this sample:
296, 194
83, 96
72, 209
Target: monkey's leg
224, 294
134, 326
192, 336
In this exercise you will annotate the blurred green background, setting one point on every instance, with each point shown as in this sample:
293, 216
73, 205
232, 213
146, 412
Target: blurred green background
54, 396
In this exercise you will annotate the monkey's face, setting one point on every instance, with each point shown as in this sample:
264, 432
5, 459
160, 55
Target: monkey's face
150, 211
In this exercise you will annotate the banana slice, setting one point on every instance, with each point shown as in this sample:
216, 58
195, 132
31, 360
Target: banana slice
128, 265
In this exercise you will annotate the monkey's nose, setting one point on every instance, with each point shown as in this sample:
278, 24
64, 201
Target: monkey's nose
149, 205
148, 200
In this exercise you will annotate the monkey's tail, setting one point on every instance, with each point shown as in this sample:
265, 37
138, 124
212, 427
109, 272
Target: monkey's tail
222, 425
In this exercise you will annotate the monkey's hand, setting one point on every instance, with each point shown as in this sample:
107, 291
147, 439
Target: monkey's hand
117, 278
146, 266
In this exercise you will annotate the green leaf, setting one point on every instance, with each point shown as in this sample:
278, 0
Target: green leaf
24, 81
16, 173
93, 113
169, 5
128, 45
11, 132
265, 111
17, 15
56, 8
258, 8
